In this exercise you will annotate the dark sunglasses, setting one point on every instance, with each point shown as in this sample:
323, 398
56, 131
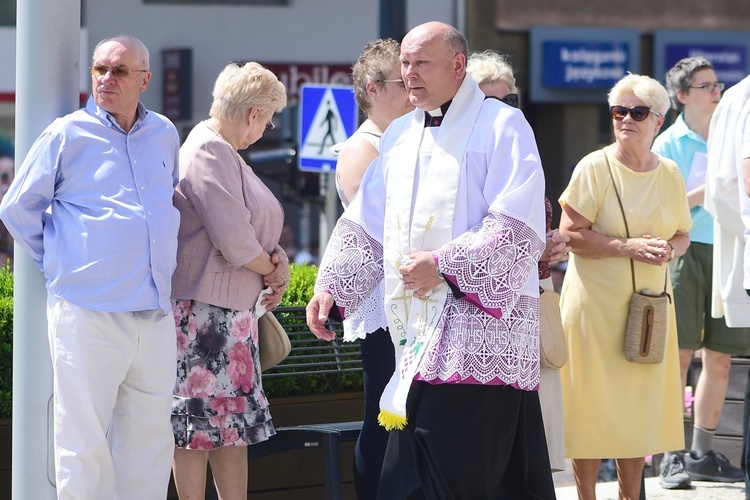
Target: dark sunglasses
637, 113
511, 100
118, 71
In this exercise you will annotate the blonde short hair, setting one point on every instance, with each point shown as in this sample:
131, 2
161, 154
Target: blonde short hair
491, 67
242, 87
644, 88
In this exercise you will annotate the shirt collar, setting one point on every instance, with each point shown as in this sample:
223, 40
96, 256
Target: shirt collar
435, 117
684, 131
103, 115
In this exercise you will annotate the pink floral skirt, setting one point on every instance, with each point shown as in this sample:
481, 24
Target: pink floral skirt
218, 397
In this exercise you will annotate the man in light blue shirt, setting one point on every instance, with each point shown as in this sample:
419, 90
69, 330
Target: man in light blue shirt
92, 204
695, 93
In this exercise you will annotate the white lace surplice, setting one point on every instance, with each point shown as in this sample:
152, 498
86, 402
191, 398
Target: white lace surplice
491, 334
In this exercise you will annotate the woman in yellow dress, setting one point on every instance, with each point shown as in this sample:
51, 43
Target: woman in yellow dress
615, 408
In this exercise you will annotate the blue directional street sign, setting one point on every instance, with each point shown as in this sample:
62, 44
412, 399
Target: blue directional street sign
328, 115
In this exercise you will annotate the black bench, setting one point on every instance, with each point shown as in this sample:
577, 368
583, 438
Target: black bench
326, 436
311, 357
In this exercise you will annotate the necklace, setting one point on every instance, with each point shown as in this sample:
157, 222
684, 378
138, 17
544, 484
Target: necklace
218, 134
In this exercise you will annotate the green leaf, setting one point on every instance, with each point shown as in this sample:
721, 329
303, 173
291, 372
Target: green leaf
301, 285
6, 341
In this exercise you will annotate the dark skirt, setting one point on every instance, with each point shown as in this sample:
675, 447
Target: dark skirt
468, 442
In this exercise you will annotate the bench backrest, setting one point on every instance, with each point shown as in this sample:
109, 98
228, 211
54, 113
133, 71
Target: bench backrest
310, 354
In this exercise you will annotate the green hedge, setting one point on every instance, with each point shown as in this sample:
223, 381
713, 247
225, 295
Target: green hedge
6, 341
301, 285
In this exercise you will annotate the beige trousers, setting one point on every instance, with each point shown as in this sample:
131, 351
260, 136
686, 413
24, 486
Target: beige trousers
113, 380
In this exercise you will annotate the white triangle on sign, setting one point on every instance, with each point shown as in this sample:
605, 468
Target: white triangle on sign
326, 130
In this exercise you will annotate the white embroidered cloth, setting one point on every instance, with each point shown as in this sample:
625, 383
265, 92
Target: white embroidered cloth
490, 336
420, 205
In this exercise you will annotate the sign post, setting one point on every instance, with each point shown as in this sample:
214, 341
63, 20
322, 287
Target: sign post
328, 116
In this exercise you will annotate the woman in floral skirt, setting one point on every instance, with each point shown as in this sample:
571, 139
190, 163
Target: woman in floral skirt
228, 253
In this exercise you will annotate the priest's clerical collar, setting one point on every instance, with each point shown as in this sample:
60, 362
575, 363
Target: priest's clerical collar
435, 117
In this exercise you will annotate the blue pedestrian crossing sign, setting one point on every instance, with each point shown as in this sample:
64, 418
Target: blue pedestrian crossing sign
328, 115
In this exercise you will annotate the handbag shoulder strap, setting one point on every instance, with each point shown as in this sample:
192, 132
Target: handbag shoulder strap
625, 220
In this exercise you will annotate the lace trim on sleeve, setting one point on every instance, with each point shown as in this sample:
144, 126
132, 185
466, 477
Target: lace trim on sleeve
352, 266
367, 318
492, 261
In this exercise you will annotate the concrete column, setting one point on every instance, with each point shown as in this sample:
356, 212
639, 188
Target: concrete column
47, 86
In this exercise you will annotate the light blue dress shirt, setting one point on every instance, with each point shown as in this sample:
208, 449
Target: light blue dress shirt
92, 204
679, 143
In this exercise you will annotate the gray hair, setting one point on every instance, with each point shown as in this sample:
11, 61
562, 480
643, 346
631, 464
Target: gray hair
680, 76
491, 67
456, 41
644, 88
141, 51
373, 65
240, 88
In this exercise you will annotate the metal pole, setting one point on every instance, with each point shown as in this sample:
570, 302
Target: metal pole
392, 19
47, 86
329, 214
459, 16
304, 255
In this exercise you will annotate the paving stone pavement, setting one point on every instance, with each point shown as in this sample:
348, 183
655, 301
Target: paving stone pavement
701, 491
566, 490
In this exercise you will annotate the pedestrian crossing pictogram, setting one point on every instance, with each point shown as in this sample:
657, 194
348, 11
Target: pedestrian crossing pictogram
327, 116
